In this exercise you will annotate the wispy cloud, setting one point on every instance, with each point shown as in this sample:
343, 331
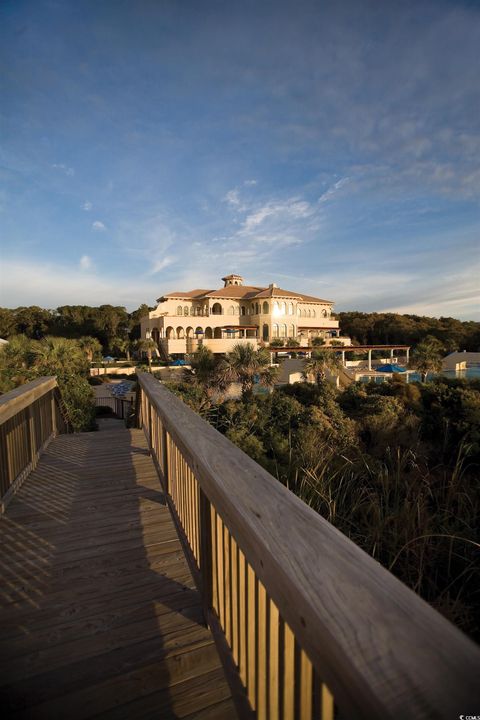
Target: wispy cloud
250, 182
69, 171
333, 189
99, 226
87, 206
233, 198
161, 265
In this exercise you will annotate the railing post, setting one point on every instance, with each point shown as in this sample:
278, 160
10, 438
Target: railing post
165, 460
32, 438
54, 415
205, 560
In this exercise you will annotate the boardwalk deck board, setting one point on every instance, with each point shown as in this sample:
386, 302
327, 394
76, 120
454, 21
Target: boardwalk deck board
99, 613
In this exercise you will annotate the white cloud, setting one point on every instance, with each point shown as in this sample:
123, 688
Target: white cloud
161, 265
333, 189
85, 262
250, 182
64, 168
232, 198
99, 226
87, 206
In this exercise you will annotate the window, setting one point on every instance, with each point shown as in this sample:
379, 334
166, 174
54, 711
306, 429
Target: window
324, 313
179, 310
217, 309
314, 314
265, 308
242, 310
265, 333
231, 310
283, 308
185, 310
290, 308
275, 330
299, 312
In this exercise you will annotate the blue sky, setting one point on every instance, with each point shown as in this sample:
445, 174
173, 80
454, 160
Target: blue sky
330, 147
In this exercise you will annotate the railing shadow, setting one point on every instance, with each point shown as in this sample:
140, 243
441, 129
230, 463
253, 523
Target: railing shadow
99, 610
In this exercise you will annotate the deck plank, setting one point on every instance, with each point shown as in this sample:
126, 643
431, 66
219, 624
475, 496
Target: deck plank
99, 612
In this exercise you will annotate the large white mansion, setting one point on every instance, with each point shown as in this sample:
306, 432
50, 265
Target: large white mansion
237, 313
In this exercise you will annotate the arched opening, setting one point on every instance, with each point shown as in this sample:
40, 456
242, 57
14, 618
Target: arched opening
242, 310
265, 333
185, 310
314, 314
208, 333
324, 313
291, 331
276, 309
275, 330
265, 308
283, 308
199, 333
170, 332
217, 333
189, 332
283, 331
290, 309
217, 309
231, 310
155, 335
179, 310
180, 333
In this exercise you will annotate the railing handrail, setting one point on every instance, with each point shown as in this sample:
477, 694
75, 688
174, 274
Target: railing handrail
382, 650
21, 397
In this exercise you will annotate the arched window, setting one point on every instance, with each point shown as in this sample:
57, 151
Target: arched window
299, 312
276, 310
265, 333
291, 331
185, 310
208, 333
180, 333
170, 333
257, 309
314, 314
283, 308
283, 331
290, 308
179, 310
217, 333
265, 308
217, 309
275, 330
189, 332
324, 313
231, 310
242, 310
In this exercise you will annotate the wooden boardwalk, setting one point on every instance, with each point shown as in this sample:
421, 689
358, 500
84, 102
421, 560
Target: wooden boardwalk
99, 613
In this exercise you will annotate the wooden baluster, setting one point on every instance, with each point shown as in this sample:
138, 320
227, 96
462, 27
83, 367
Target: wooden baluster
242, 611
262, 653
274, 660
327, 703
306, 687
252, 636
289, 674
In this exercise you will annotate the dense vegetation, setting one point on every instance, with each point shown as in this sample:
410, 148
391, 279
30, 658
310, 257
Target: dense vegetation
387, 328
111, 325
393, 466
22, 360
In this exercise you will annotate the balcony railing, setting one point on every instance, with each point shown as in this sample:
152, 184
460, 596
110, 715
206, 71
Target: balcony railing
312, 625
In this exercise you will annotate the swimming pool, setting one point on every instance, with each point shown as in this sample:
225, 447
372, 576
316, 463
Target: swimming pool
470, 373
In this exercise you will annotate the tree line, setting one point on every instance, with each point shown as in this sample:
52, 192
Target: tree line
111, 325
389, 328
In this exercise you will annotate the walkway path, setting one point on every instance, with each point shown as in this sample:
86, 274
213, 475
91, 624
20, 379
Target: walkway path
99, 613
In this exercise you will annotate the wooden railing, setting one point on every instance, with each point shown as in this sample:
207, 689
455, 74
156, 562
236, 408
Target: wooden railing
120, 406
314, 627
30, 417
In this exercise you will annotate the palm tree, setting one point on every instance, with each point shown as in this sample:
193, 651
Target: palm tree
244, 364
90, 346
122, 345
147, 346
59, 356
427, 356
207, 373
319, 362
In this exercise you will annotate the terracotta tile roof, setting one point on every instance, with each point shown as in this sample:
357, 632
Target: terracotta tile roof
190, 294
244, 292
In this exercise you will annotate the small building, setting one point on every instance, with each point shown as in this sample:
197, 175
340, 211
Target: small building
236, 313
